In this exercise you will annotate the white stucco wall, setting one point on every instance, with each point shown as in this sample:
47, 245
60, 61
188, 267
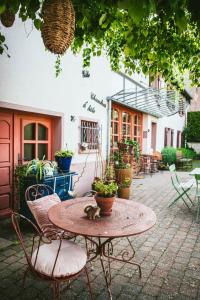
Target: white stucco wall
174, 122
28, 78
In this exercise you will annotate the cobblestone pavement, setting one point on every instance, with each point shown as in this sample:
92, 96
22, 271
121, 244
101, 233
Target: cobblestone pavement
169, 255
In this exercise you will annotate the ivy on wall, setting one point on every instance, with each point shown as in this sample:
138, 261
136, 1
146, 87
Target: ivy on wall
149, 36
192, 131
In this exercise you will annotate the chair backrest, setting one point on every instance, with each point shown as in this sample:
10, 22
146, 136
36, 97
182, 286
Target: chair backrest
37, 191
172, 168
18, 220
37, 240
174, 177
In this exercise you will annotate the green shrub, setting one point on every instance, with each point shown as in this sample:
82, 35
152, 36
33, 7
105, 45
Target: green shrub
188, 152
169, 155
192, 131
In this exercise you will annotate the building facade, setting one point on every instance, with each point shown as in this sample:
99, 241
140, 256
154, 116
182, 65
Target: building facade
40, 113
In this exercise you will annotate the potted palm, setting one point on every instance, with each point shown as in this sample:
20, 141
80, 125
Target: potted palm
105, 195
64, 158
124, 189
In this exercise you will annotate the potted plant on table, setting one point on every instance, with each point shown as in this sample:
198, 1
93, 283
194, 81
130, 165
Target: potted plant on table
64, 158
105, 195
124, 189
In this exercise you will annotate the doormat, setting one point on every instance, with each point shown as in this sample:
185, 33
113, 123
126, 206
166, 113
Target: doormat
4, 243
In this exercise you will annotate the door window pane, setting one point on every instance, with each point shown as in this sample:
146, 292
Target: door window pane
42, 151
115, 128
124, 129
124, 115
115, 141
115, 115
135, 119
42, 132
29, 132
29, 151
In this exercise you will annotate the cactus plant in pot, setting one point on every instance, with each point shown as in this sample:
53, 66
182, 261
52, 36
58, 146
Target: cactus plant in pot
64, 158
105, 195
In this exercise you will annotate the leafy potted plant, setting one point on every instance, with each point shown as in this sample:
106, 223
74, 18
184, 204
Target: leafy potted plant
105, 195
122, 170
40, 168
124, 189
135, 148
64, 158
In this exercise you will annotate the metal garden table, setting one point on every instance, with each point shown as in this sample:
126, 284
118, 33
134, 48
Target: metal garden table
128, 218
194, 172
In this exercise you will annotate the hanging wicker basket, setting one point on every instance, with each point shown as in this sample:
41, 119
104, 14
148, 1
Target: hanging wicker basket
7, 18
58, 25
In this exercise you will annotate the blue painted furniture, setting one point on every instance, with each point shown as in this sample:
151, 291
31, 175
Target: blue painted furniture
61, 184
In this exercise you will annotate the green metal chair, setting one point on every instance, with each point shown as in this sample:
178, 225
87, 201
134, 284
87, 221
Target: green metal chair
182, 188
197, 177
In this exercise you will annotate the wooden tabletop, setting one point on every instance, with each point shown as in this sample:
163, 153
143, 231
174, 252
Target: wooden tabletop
128, 218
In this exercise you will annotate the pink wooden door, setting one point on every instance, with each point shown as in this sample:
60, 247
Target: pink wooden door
153, 135
6, 163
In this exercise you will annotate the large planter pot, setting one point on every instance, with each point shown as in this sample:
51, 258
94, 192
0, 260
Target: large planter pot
105, 204
122, 174
64, 163
124, 193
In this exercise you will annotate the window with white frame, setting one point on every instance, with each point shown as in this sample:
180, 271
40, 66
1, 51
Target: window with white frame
90, 135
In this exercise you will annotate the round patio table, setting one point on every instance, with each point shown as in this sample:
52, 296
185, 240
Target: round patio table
128, 218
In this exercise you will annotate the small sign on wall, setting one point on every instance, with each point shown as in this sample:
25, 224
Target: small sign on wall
89, 107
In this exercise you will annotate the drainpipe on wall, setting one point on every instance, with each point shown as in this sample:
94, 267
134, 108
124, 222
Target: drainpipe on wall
109, 107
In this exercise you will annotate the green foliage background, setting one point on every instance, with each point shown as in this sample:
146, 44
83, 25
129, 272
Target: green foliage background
192, 131
155, 37
169, 155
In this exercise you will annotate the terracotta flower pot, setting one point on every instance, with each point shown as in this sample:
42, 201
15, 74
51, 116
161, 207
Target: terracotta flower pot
122, 174
124, 193
105, 204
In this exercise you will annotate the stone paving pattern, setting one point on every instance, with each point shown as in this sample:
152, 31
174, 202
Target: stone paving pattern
169, 255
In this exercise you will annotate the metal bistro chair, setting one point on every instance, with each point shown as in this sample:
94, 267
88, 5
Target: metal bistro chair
52, 260
182, 188
197, 177
39, 198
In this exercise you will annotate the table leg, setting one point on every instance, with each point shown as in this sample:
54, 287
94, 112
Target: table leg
104, 249
127, 256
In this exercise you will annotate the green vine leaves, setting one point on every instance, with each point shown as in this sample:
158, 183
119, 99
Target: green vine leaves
146, 36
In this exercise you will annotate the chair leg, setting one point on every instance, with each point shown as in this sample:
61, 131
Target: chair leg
24, 277
181, 196
89, 284
198, 209
188, 196
56, 290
